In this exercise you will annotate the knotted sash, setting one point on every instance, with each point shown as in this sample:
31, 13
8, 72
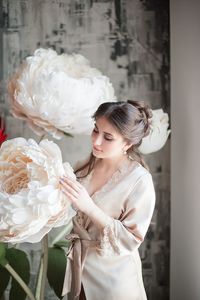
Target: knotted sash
76, 255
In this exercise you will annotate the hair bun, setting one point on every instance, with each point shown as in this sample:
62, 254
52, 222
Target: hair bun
145, 113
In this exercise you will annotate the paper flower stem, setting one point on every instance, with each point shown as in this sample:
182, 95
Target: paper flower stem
42, 137
63, 232
20, 281
41, 281
38, 284
45, 266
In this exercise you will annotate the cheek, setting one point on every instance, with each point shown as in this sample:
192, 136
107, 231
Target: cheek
113, 147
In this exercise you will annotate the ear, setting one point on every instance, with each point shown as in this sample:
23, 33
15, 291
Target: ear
127, 146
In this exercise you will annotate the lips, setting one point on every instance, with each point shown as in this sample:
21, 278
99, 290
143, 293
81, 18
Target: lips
96, 149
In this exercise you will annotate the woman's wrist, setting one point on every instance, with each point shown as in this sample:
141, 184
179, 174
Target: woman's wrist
98, 217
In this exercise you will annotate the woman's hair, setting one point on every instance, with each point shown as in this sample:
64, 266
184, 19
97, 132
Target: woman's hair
132, 120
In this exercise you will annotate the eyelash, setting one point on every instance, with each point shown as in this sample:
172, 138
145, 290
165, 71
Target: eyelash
107, 139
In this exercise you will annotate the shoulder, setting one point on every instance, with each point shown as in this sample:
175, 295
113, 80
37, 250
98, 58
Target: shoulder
142, 179
138, 172
142, 193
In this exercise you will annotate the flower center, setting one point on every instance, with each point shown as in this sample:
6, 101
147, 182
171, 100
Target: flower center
14, 184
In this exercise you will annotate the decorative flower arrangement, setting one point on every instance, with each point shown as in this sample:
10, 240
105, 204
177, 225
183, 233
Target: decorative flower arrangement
159, 133
55, 94
58, 93
31, 202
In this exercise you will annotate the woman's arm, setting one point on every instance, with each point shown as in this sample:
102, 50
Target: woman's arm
80, 199
127, 233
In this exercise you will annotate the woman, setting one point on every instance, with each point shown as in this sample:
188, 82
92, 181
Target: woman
114, 197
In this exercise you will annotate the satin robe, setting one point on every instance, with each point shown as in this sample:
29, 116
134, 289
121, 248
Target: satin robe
107, 262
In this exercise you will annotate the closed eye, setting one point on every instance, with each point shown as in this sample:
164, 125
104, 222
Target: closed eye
105, 134
108, 139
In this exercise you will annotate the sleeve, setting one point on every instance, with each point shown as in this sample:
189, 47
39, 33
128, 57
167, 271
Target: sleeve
122, 236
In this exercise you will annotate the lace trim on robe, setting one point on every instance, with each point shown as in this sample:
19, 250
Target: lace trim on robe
108, 245
125, 167
108, 242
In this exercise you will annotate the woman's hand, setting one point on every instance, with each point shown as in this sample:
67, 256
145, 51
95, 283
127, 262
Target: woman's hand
80, 200
77, 194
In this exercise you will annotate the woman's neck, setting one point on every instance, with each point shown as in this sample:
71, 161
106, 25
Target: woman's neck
107, 164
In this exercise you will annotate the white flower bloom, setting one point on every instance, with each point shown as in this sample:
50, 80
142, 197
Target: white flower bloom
31, 202
58, 93
158, 134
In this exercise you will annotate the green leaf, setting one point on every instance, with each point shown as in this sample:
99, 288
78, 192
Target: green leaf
19, 261
56, 265
4, 280
3, 254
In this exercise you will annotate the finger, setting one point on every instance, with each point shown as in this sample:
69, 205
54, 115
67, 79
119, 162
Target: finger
71, 198
70, 189
73, 181
74, 184
66, 182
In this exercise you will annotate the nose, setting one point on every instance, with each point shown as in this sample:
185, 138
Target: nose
97, 140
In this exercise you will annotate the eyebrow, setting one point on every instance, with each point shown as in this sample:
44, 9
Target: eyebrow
104, 131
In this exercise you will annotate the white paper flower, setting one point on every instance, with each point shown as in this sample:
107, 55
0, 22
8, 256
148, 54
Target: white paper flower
58, 93
31, 202
158, 134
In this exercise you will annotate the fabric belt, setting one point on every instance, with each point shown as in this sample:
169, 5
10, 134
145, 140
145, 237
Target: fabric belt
76, 258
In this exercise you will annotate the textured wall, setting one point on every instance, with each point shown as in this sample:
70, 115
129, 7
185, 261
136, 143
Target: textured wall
128, 41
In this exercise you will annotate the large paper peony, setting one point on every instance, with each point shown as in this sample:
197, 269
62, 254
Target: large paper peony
58, 93
31, 202
159, 133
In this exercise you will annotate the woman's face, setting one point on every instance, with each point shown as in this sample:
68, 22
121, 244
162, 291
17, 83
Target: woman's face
107, 142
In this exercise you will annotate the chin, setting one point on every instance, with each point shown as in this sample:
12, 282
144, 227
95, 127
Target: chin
98, 154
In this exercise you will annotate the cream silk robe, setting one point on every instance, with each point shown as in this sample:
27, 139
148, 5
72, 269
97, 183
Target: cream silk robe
107, 261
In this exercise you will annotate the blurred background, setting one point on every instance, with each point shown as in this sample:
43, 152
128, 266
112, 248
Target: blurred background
129, 41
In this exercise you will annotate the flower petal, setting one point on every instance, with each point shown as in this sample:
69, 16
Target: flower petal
31, 202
